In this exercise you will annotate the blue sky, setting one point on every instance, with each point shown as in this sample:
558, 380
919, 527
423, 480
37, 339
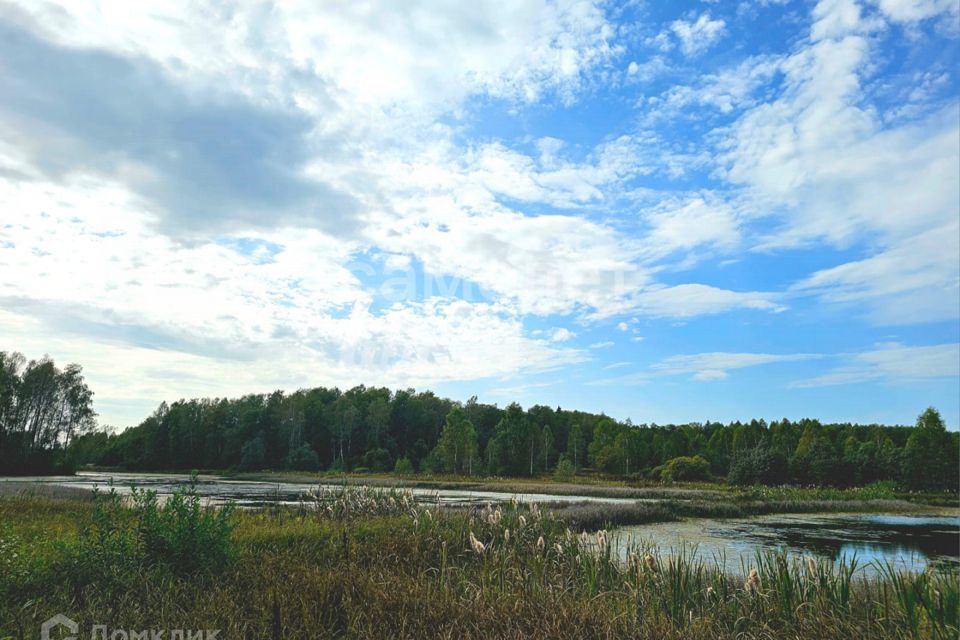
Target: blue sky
670, 212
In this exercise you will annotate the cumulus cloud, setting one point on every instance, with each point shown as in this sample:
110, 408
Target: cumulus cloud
698, 35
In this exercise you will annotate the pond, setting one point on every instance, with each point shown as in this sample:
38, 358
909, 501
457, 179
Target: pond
251, 493
907, 541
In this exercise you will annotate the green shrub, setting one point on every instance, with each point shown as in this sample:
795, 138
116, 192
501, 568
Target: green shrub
179, 534
758, 466
377, 459
565, 471
252, 455
303, 458
685, 468
403, 467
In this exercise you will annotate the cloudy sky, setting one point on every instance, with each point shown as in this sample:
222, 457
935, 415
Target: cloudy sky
668, 211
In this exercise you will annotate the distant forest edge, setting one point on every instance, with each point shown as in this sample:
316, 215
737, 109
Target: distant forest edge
47, 425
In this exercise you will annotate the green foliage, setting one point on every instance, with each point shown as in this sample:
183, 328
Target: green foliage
565, 471
373, 428
253, 455
303, 458
375, 565
759, 465
377, 460
42, 409
403, 467
685, 468
458, 443
180, 534
930, 457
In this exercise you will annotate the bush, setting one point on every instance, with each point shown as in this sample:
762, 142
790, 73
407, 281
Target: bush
403, 467
758, 466
303, 458
252, 455
377, 459
180, 535
565, 471
685, 468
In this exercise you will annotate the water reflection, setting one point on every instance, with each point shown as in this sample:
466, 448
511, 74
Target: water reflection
251, 494
909, 542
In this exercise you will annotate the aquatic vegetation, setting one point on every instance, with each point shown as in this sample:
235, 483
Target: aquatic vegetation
377, 565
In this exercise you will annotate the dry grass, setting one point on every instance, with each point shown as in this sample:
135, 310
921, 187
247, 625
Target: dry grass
376, 569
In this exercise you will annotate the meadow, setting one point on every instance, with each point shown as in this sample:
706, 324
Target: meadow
372, 563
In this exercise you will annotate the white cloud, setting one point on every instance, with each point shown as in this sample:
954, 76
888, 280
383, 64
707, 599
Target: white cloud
699, 35
688, 300
912, 11
683, 225
561, 334
820, 159
710, 374
916, 280
602, 345
714, 366
704, 367
86, 280
892, 363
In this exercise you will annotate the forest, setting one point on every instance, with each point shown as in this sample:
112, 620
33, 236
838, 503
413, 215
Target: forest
47, 413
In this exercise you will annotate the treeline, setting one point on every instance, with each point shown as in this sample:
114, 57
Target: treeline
42, 409
374, 429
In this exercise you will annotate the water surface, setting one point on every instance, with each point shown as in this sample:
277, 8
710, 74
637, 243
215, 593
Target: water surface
253, 493
907, 541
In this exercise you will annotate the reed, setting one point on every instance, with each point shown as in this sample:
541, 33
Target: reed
370, 565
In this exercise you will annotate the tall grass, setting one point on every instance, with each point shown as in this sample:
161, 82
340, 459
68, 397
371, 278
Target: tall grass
368, 565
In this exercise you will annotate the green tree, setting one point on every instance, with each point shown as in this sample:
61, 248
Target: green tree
458, 442
575, 446
930, 457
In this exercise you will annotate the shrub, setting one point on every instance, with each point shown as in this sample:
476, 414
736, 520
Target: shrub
685, 468
303, 458
252, 455
565, 471
377, 459
403, 467
179, 534
758, 466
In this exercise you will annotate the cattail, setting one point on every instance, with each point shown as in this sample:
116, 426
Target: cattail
753, 581
651, 562
523, 521
709, 592
540, 543
478, 546
506, 536
811, 565
559, 548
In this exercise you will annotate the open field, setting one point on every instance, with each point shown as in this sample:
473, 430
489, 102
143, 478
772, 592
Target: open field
368, 563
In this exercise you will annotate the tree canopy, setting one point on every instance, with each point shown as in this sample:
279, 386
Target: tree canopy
46, 412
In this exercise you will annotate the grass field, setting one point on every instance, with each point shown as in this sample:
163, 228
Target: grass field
371, 564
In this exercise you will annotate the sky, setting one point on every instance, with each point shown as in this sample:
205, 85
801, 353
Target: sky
665, 211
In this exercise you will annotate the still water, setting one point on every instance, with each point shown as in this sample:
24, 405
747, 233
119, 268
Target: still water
907, 541
250, 493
